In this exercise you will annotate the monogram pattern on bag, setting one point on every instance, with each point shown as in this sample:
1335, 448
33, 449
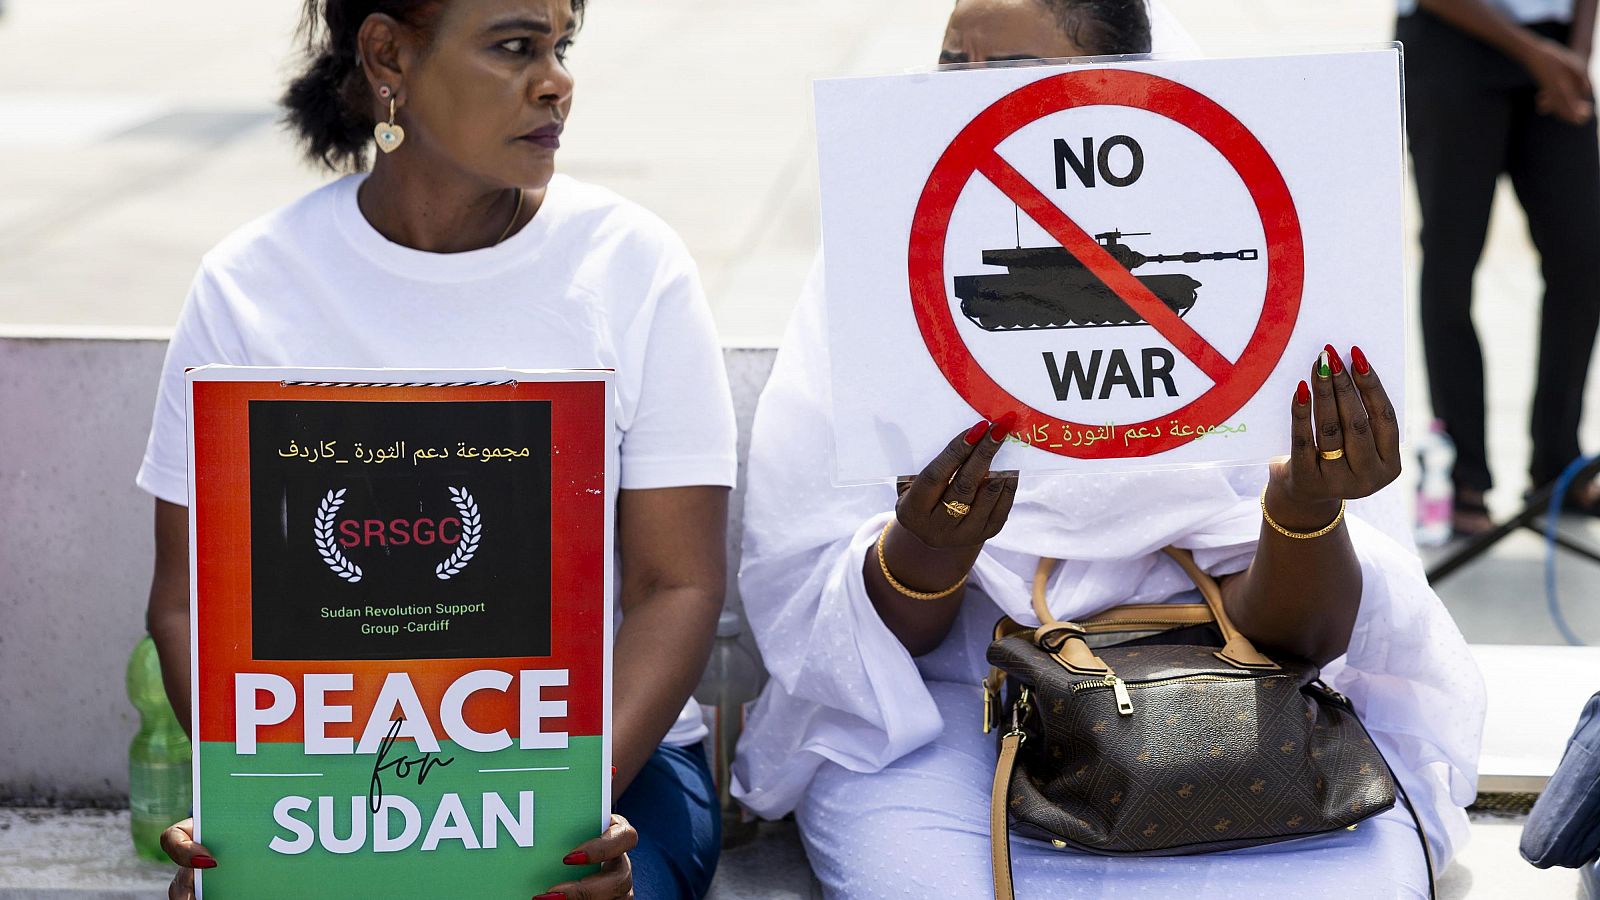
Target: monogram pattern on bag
1242, 759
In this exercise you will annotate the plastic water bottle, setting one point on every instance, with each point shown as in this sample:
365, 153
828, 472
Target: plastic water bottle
730, 684
1435, 491
158, 759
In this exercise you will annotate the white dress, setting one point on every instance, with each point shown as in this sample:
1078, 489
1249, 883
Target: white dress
881, 756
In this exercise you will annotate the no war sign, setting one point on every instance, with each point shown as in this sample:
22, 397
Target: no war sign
1140, 259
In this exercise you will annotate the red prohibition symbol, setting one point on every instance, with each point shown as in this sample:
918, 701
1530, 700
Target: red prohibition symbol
973, 152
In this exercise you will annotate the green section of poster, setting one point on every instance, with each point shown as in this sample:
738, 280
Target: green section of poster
485, 814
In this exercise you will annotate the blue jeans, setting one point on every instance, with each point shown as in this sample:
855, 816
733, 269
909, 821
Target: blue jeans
673, 804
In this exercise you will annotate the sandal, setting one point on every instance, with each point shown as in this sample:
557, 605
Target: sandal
1583, 499
1469, 515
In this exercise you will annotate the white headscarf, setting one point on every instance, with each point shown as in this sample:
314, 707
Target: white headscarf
844, 689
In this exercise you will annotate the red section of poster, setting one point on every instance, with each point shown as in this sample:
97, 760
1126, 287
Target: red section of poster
577, 513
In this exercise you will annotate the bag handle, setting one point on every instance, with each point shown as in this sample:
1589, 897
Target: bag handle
1237, 649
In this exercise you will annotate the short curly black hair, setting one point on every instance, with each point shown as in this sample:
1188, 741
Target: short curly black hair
329, 105
1104, 27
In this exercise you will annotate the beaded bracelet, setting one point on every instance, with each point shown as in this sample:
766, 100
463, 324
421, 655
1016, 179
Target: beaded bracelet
915, 595
1297, 535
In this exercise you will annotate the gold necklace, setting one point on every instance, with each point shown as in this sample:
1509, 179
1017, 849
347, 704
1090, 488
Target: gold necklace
515, 213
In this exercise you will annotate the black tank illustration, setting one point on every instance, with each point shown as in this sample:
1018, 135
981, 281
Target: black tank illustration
1047, 287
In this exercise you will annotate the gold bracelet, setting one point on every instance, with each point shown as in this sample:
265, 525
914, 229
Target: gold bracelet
1298, 535
915, 595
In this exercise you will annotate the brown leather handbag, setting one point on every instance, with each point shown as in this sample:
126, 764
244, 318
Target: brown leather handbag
1183, 740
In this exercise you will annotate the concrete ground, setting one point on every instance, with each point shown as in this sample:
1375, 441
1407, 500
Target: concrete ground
134, 135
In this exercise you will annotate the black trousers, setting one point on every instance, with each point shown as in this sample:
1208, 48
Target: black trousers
1470, 116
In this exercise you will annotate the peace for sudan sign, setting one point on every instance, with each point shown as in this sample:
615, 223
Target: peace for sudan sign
401, 603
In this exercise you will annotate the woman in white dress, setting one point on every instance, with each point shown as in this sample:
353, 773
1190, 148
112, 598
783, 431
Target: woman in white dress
870, 729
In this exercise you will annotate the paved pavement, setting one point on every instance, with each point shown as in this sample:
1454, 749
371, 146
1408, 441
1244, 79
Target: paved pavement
117, 174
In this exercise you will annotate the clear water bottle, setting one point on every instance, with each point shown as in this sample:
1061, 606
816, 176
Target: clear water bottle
158, 759
730, 684
1435, 490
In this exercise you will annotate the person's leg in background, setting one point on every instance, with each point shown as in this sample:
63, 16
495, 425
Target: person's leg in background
673, 804
1555, 167
1458, 125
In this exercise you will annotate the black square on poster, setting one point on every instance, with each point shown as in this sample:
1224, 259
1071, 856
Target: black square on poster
399, 530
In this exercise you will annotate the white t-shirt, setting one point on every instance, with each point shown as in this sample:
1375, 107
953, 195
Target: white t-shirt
592, 281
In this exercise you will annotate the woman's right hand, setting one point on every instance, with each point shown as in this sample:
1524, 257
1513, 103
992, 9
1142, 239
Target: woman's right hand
942, 520
944, 516
178, 842
931, 504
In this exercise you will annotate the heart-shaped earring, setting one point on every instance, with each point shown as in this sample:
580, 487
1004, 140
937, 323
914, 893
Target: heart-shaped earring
389, 135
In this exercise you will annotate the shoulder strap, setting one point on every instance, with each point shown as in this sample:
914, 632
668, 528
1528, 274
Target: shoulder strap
1422, 833
999, 827
1399, 786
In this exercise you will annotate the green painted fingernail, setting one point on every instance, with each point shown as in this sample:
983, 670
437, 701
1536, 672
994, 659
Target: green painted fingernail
1323, 371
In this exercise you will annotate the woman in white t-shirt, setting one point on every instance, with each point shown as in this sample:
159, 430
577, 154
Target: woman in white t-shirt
462, 248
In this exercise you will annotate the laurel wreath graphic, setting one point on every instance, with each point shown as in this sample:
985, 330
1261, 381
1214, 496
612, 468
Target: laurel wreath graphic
322, 533
471, 530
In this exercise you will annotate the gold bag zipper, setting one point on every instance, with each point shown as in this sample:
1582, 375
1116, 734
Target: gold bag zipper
1125, 700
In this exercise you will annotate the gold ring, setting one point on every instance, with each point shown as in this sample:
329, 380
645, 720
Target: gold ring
956, 508
1331, 455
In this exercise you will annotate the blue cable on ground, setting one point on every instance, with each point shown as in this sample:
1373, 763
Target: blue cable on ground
1552, 515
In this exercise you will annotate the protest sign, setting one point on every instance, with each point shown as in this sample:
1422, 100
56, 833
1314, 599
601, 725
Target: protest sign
401, 641
1141, 258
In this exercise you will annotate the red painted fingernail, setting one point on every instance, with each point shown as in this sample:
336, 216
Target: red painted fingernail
202, 861
1359, 360
551, 895
976, 433
1334, 361
613, 771
1002, 427
1302, 394
576, 858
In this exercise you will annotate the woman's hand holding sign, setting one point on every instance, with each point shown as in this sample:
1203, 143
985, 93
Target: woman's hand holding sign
1345, 443
953, 503
1302, 592
614, 881
179, 844
1300, 595
916, 572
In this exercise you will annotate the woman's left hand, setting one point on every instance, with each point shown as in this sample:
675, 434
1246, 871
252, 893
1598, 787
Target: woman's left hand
1346, 442
179, 845
614, 881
